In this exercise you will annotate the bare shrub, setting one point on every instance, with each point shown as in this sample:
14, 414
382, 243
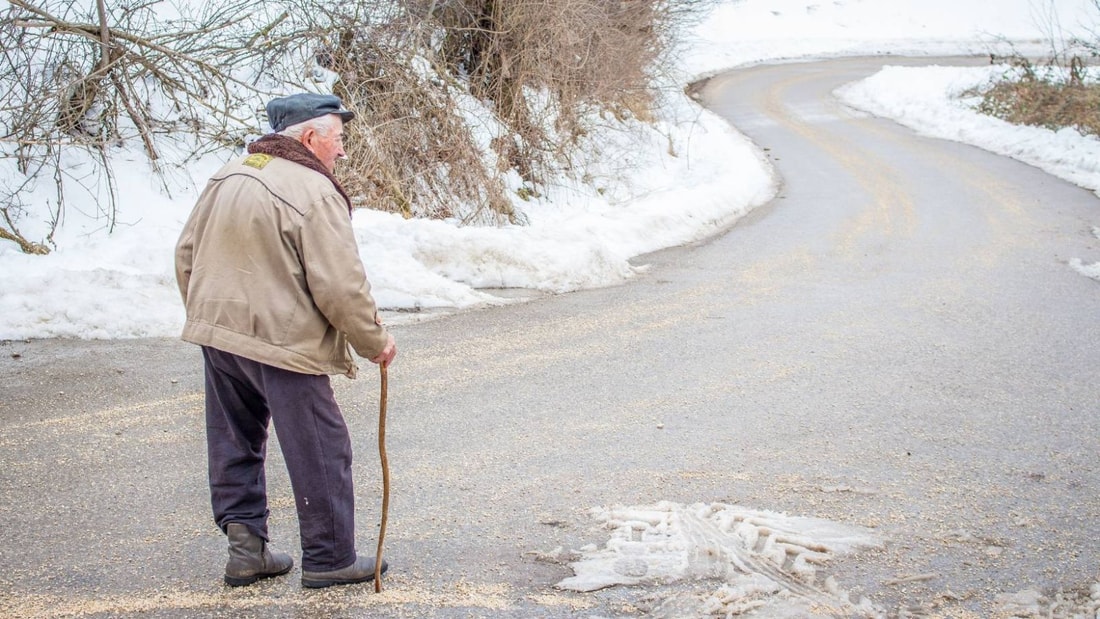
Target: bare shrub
417, 154
1048, 97
414, 152
92, 77
545, 63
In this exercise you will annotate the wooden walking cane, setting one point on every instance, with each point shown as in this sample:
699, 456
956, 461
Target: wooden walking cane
385, 478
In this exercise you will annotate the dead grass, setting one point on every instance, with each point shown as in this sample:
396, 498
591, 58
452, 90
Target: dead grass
1046, 96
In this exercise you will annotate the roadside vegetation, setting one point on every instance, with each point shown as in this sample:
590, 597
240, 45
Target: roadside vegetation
1058, 92
1052, 95
465, 106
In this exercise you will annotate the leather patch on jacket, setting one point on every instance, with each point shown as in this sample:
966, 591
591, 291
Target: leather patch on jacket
258, 160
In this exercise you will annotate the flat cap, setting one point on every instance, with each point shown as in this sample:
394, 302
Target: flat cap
287, 111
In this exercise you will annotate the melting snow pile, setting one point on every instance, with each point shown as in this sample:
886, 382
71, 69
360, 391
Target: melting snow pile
749, 559
1088, 270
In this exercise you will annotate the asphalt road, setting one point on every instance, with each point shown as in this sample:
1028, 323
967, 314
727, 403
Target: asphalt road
895, 342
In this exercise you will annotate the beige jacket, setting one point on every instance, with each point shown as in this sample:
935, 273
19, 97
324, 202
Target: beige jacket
268, 268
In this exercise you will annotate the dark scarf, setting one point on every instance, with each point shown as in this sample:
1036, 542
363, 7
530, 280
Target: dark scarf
292, 150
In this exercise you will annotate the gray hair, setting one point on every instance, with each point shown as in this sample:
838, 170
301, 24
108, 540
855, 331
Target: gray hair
324, 125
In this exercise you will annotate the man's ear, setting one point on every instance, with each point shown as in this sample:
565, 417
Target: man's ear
307, 138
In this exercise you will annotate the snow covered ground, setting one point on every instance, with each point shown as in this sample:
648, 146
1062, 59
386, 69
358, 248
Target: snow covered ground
120, 283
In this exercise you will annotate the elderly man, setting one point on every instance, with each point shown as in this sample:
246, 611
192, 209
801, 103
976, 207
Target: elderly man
275, 295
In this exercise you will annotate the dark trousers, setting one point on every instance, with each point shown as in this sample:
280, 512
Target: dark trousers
242, 396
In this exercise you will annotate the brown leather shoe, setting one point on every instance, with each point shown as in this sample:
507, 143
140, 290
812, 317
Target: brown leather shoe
360, 571
250, 558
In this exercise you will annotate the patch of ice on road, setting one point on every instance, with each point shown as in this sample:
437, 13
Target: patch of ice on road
1083, 603
754, 559
1088, 270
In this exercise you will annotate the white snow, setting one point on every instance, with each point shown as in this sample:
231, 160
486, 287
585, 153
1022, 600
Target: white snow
119, 283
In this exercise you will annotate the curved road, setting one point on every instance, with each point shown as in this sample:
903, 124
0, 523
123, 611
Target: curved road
895, 342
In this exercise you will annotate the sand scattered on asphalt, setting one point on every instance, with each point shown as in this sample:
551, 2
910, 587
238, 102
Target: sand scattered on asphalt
491, 597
